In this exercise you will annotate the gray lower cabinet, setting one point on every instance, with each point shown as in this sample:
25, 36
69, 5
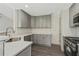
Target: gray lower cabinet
42, 39
35, 38
25, 52
45, 40
28, 38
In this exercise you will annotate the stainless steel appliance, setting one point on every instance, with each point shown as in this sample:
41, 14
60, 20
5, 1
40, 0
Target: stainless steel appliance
76, 19
71, 46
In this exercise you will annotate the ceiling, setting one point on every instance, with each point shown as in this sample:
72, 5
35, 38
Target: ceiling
36, 9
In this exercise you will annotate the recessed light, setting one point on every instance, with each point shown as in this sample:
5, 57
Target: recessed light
26, 6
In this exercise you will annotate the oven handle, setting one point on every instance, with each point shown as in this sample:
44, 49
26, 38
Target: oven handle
76, 51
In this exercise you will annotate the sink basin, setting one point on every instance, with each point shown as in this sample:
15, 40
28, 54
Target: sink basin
14, 39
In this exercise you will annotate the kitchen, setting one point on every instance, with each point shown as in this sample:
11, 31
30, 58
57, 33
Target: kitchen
29, 29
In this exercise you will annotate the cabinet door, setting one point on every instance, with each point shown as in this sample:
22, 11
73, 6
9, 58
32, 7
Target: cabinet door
34, 38
40, 39
44, 40
23, 19
33, 22
27, 38
25, 52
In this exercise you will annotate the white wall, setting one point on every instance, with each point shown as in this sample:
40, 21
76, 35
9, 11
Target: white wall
55, 28
65, 28
6, 10
6, 17
4, 23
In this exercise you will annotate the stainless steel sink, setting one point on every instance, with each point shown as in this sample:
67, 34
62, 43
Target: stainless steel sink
14, 39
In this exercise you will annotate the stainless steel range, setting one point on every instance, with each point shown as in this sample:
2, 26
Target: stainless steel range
71, 46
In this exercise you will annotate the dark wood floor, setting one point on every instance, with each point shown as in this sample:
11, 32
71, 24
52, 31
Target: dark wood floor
54, 50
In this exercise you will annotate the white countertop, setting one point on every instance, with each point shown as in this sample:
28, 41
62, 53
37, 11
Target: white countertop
13, 48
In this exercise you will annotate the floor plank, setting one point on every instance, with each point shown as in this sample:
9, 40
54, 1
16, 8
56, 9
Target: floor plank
54, 50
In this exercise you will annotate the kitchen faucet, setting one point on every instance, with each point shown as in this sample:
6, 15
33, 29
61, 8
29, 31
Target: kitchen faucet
9, 28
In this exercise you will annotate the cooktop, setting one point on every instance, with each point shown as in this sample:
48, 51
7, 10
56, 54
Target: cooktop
73, 39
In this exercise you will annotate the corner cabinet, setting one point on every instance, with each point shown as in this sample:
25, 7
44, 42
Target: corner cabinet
42, 39
23, 19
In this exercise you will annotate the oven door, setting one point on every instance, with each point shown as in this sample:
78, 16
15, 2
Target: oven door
68, 50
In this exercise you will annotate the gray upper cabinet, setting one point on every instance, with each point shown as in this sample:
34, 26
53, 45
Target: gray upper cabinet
41, 21
23, 19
